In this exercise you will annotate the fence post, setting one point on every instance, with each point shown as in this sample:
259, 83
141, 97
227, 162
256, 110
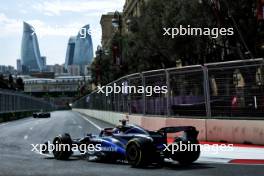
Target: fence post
129, 98
124, 104
168, 96
1, 100
144, 94
115, 109
207, 92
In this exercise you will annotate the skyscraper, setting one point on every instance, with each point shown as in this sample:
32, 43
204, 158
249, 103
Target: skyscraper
83, 53
70, 52
19, 66
80, 50
44, 60
30, 54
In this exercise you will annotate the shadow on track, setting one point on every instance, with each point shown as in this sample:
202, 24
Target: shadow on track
194, 166
167, 165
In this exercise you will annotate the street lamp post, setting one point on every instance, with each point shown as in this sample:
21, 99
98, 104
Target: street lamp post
117, 23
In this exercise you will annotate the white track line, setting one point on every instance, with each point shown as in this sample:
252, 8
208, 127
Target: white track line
95, 125
213, 160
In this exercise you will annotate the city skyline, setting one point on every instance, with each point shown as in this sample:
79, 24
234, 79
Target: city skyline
54, 22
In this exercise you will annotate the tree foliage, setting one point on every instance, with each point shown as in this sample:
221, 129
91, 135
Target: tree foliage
152, 50
145, 47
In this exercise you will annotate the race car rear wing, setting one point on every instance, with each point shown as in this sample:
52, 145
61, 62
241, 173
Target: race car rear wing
190, 131
176, 129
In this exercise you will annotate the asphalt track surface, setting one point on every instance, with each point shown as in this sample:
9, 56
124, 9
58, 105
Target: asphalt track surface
16, 157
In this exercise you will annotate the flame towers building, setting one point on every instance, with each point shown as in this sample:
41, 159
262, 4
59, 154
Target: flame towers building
30, 54
80, 49
83, 53
70, 52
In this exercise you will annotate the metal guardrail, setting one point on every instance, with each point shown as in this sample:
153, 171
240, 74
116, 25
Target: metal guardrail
224, 90
12, 101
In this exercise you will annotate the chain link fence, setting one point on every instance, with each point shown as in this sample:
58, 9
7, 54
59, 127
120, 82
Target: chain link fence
222, 90
11, 102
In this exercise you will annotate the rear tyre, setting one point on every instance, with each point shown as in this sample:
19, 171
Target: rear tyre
63, 145
186, 157
139, 151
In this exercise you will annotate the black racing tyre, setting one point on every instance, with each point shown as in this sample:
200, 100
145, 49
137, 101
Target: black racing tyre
187, 157
139, 152
63, 145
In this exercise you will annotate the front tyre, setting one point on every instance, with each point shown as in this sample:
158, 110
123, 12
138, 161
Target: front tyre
63, 145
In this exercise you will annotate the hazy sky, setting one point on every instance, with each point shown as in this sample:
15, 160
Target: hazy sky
54, 22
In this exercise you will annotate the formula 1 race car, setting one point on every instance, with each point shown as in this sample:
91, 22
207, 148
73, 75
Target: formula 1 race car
41, 115
133, 144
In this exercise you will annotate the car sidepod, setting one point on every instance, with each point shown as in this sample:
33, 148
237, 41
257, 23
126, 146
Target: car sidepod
112, 149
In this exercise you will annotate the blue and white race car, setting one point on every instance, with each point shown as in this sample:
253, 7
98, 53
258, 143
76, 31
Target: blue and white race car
134, 144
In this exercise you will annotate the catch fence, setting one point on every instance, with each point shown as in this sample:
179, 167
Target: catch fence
232, 89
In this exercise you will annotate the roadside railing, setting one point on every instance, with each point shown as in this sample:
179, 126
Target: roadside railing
12, 101
220, 90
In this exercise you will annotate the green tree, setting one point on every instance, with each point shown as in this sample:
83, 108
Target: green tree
149, 49
145, 47
20, 83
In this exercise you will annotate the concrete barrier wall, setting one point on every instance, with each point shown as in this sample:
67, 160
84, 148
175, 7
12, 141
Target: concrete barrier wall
237, 131
233, 131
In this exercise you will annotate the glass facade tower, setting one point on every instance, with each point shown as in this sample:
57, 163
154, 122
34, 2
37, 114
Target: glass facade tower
30, 55
80, 50
83, 53
70, 52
